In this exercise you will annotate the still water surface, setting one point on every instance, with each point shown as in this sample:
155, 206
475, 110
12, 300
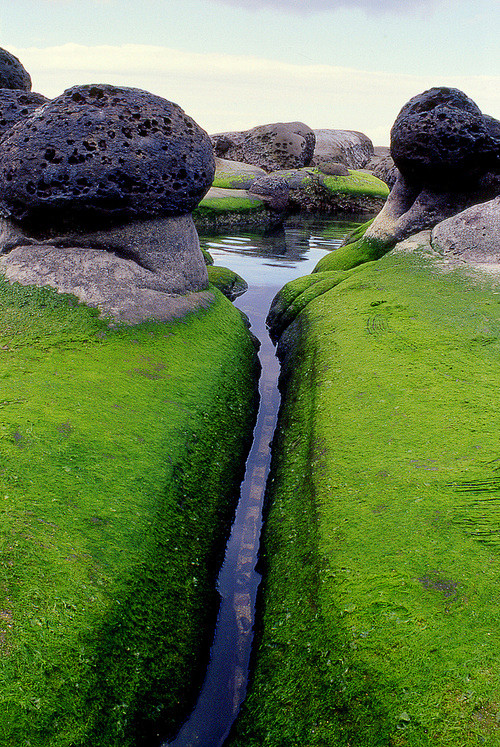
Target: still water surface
267, 261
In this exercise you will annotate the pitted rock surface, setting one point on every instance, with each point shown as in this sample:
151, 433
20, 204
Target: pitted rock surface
12, 73
15, 105
282, 145
99, 154
441, 139
353, 149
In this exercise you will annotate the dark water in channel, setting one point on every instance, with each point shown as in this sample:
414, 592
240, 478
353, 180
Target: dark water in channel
266, 261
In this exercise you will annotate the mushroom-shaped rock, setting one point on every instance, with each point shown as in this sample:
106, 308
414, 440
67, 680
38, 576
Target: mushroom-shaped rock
282, 145
440, 138
17, 104
115, 173
99, 153
12, 73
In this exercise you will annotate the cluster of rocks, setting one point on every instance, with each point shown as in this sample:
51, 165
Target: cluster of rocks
286, 165
102, 168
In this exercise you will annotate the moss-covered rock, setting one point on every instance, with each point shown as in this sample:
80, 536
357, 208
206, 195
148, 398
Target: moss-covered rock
118, 449
380, 605
227, 281
227, 206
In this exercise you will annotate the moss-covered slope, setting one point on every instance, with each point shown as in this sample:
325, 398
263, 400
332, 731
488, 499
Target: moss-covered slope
120, 450
381, 607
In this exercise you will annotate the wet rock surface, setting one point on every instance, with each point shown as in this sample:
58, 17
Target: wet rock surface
13, 75
99, 153
281, 145
15, 105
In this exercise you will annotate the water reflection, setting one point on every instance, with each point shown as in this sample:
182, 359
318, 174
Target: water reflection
267, 261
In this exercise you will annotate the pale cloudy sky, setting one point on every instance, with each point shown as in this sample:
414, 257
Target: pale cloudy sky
233, 64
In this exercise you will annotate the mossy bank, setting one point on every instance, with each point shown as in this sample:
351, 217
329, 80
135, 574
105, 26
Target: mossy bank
380, 607
121, 452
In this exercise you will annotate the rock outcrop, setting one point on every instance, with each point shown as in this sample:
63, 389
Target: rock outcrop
472, 235
98, 180
12, 73
353, 149
282, 145
447, 155
17, 104
441, 139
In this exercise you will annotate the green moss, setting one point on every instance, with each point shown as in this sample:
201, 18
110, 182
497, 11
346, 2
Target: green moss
357, 183
117, 484
358, 232
382, 545
352, 255
209, 260
231, 201
233, 181
227, 281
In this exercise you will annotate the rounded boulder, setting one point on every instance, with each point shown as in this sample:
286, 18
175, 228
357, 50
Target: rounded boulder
281, 145
441, 139
100, 153
13, 75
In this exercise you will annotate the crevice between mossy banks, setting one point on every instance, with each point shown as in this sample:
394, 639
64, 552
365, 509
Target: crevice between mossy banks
120, 462
303, 689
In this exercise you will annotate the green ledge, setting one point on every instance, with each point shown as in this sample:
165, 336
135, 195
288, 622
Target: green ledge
119, 470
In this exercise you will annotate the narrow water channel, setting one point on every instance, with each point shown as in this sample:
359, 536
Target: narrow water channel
267, 261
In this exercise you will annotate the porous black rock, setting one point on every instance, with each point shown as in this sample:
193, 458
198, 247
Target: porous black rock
15, 105
441, 139
100, 154
12, 73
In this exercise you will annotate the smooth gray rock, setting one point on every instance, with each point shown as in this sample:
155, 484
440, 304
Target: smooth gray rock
353, 149
281, 145
472, 235
237, 175
131, 273
118, 287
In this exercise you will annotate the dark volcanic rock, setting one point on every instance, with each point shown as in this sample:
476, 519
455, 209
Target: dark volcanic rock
282, 145
12, 73
99, 154
15, 105
441, 139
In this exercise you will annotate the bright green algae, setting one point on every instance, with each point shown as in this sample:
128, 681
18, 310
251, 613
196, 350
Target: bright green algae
121, 450
380, 612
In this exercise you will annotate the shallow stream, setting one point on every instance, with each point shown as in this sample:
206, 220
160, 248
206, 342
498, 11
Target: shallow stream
266, 261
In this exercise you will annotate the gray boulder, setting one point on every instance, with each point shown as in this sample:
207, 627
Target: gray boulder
99, 154
472, 235
113, 280
353, 149
235, 175
15, 105
12, 73
282, 145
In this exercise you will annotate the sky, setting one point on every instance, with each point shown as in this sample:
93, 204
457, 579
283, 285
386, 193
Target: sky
235, 64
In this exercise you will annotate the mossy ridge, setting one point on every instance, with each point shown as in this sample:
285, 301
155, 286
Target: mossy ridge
118, 450
227, 281
299, 693
404, 423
